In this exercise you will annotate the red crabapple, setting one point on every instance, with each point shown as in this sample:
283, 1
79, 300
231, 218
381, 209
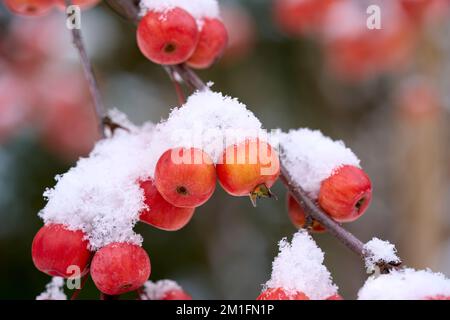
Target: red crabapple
186, 178
55, 249
298, 216
241, 31
298, 17
346, 194
281, 294
335, 297
169, 37
176, 294
249, 168
417, 99
84, 4
29, 7
119, 268
211, 45
161, 214
357, 53
420, 10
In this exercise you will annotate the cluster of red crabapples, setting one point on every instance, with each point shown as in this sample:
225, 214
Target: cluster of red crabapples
355, 52
41, 7
174, 36
178, 187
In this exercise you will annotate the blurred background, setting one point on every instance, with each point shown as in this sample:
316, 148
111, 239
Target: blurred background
295, 63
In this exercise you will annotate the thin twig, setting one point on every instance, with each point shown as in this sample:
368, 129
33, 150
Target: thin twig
191, 79
77, 291
178, 89
88, 70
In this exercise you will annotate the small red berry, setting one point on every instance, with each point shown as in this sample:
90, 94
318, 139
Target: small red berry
281, 294
161, 214
168, 37
298, 217
346, 194
186, 178
211, 45
55, 249
119, 268
29, 7
176, 295
248, 168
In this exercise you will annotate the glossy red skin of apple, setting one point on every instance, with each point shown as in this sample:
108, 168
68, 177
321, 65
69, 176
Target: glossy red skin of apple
281, 294
119, 268
186, 178
162, 214
300, 17
240, 173
298, 217
335, 297
168, 38
346, 194
29, 7
212, 43
84, 4
56, 248
176, 295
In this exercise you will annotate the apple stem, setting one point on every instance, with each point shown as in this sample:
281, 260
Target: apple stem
77, 291
129, 10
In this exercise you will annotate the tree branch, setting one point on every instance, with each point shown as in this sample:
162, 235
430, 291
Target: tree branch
191, 79
88, 70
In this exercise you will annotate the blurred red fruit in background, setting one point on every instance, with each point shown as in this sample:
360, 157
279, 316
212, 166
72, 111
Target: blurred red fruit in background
301, 17
241, 32
354, 52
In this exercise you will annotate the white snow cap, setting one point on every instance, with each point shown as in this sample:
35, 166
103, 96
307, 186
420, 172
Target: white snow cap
310, 157
157, 290
199, 9
405, 284
208, 121
299, 267
100, 195
379, 251
53, 290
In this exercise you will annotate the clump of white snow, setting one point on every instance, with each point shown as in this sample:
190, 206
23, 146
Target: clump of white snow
208, 121
199, 9
53, 290
157, 290
310, 157
405, 284
100, 195
378, 251
299, 267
